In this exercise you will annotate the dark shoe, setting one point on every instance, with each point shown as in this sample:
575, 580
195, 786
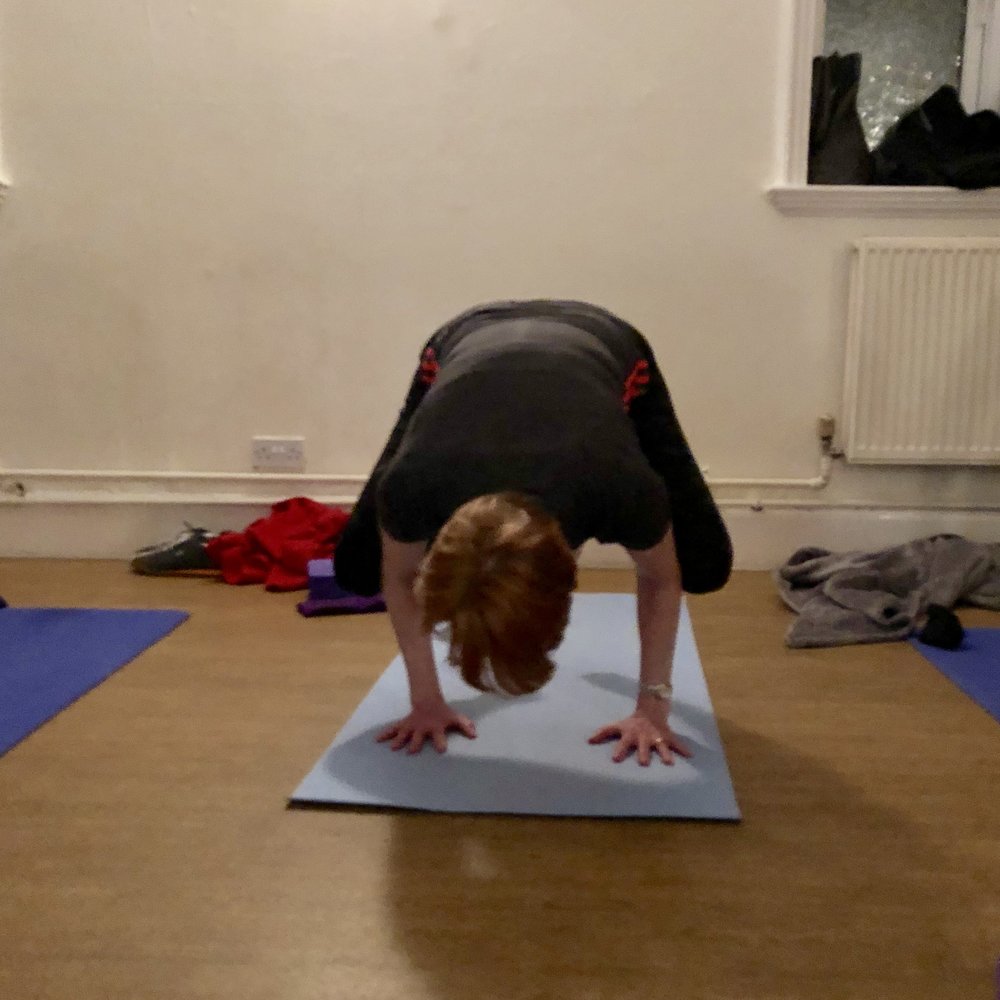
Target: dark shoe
185, 554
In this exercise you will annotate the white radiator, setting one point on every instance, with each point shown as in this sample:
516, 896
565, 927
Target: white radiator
922, 377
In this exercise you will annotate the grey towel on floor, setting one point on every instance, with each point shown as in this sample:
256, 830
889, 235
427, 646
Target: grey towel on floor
881, 596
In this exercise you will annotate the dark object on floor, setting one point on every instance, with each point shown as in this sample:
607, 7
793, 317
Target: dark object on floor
882, 596
943, 629
327, 597
939, 143
187, 553
3, 603
838, 151
275, 550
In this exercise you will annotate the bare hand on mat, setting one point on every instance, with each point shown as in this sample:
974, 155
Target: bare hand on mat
427, 722
645, 736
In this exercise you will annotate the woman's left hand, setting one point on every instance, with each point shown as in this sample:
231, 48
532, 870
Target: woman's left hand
645, 736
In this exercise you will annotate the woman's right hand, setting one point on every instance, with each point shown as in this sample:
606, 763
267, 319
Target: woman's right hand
427, 722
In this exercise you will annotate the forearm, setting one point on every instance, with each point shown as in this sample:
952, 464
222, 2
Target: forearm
414, 644
658, 609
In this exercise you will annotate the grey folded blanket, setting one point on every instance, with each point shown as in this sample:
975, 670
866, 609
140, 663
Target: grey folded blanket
856, 597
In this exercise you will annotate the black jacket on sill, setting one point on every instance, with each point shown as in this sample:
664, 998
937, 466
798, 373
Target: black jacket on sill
939, 143
838, 152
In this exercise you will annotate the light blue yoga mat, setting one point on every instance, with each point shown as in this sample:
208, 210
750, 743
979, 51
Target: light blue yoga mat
531, 755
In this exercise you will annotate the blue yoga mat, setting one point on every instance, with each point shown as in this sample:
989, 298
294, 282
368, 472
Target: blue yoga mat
975, 667
49, 657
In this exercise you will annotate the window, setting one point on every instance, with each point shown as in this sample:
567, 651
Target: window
954, 41
909, 49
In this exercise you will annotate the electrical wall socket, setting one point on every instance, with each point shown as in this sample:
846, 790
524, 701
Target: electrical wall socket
279, 454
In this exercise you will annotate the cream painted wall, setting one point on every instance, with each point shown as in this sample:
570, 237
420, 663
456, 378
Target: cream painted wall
245, 216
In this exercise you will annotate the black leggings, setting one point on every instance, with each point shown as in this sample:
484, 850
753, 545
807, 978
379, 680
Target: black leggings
704, 550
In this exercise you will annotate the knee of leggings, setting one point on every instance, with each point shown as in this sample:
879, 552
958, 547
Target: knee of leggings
365, 581
708, 575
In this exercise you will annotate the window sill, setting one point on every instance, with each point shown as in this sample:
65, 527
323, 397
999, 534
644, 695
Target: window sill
912, 202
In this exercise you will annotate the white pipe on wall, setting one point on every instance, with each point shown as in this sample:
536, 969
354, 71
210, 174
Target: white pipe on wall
68, 486
239, 489
817, 482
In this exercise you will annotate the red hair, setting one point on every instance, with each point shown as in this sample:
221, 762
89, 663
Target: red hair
502, 574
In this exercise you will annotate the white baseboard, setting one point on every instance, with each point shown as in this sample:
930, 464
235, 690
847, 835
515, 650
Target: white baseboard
62, 525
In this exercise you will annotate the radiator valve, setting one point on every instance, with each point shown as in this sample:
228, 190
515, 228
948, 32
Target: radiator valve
826, 427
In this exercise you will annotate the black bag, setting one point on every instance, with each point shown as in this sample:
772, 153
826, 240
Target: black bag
940, 143
838, 152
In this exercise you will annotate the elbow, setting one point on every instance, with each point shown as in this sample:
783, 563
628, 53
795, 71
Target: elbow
399, 582
663, 584
708, 575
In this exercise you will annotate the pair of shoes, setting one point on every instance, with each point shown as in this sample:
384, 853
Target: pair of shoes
184, 554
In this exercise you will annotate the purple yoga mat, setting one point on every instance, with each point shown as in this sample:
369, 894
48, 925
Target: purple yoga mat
50, 657
974, 667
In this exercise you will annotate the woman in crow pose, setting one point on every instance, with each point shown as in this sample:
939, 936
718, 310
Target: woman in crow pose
529, 428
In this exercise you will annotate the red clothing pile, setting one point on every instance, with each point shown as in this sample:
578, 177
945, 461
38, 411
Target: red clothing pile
276, 549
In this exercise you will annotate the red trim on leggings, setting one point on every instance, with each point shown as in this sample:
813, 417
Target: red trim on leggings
429, 367
636, 383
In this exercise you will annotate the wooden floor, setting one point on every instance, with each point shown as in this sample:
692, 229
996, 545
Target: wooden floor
146, 850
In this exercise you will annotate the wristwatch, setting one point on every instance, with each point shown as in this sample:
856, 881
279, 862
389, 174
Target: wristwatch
662, 691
